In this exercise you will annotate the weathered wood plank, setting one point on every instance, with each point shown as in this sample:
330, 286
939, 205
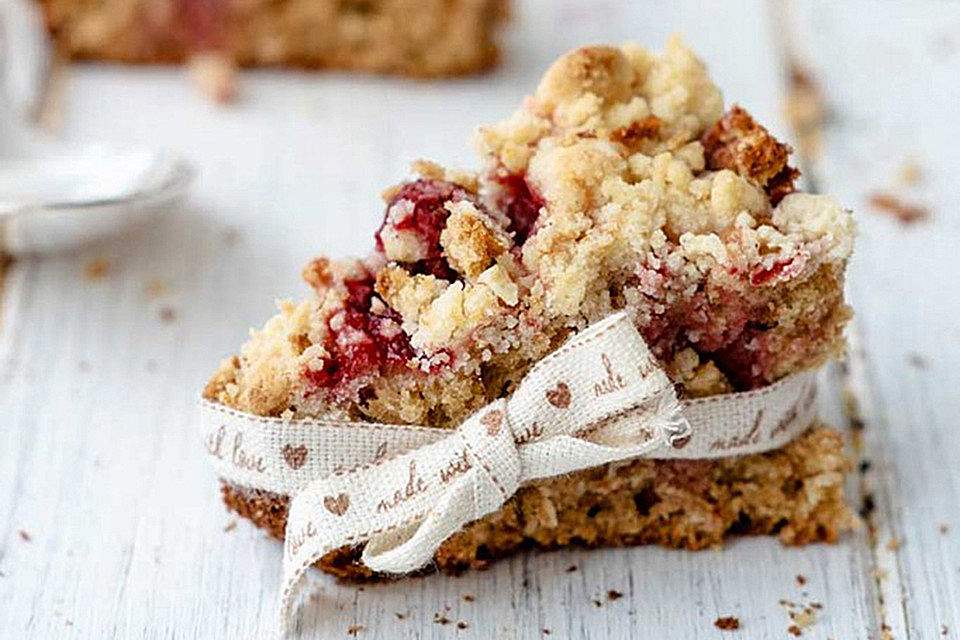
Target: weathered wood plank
890, 71
99, 458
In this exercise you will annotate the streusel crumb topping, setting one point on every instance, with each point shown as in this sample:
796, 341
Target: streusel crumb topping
620, 184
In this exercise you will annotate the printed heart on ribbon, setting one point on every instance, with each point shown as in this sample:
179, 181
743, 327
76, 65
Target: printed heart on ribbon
492, 421
559, 396
295, 456
337, 506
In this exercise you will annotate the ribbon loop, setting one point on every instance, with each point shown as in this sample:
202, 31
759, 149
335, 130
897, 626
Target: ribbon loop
482, 471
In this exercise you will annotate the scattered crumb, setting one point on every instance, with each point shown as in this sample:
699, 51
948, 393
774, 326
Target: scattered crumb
805, 109
943, 529
596, 603
865, 466
816, 605
168, 314
891, 204
727, 623
613, 594
917, 361
97, 269
867, 506
441, 619
944, 629
909, 173
468, 598
526, 583
155, 287
571, 568
801, 579
400, 616
546, 632
215, 74
893, 544
462, 625
795, 630
230, 526
68, 622
805, 618
355, 629
26, 537
230, 236
880, 573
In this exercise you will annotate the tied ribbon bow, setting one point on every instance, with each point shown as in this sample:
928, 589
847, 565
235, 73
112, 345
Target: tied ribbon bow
599, 398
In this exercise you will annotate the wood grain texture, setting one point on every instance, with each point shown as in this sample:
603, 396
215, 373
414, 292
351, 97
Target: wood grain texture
100, 463
891, 73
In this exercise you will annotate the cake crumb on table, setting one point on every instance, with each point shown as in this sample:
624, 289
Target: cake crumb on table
26, 537
571, 568
468, 598
801, 579
727, 623
613, 594
97, 269
462, 625
795, 630
894, 206
909, 173
943, 528
355, 629
230, 526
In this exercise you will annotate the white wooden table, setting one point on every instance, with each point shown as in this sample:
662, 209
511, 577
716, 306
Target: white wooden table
110, 523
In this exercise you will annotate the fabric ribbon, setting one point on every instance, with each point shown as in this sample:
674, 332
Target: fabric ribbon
403, 490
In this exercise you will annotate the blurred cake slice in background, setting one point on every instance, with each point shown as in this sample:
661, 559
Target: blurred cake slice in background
410, 37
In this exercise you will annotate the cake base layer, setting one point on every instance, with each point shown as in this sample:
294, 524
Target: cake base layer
409, 37
795, 493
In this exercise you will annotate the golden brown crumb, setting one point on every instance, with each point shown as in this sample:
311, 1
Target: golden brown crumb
155, 287
893, 544
909, 173
801, 579
97, 269
26, 537
727, 623
738, 143
468, 598
462, 625
805, 109
613, 594
894, 206
355, 629
795, 630
215, 74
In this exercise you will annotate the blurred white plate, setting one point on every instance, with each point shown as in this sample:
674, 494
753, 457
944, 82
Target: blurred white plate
56, 201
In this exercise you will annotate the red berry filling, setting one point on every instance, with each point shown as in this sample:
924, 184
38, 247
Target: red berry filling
360, 342
521, 204
426, 219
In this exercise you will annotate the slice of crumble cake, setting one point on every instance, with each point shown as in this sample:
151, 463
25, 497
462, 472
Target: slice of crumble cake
411, 37
620, 184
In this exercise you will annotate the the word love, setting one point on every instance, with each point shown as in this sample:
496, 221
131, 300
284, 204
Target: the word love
217, 445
